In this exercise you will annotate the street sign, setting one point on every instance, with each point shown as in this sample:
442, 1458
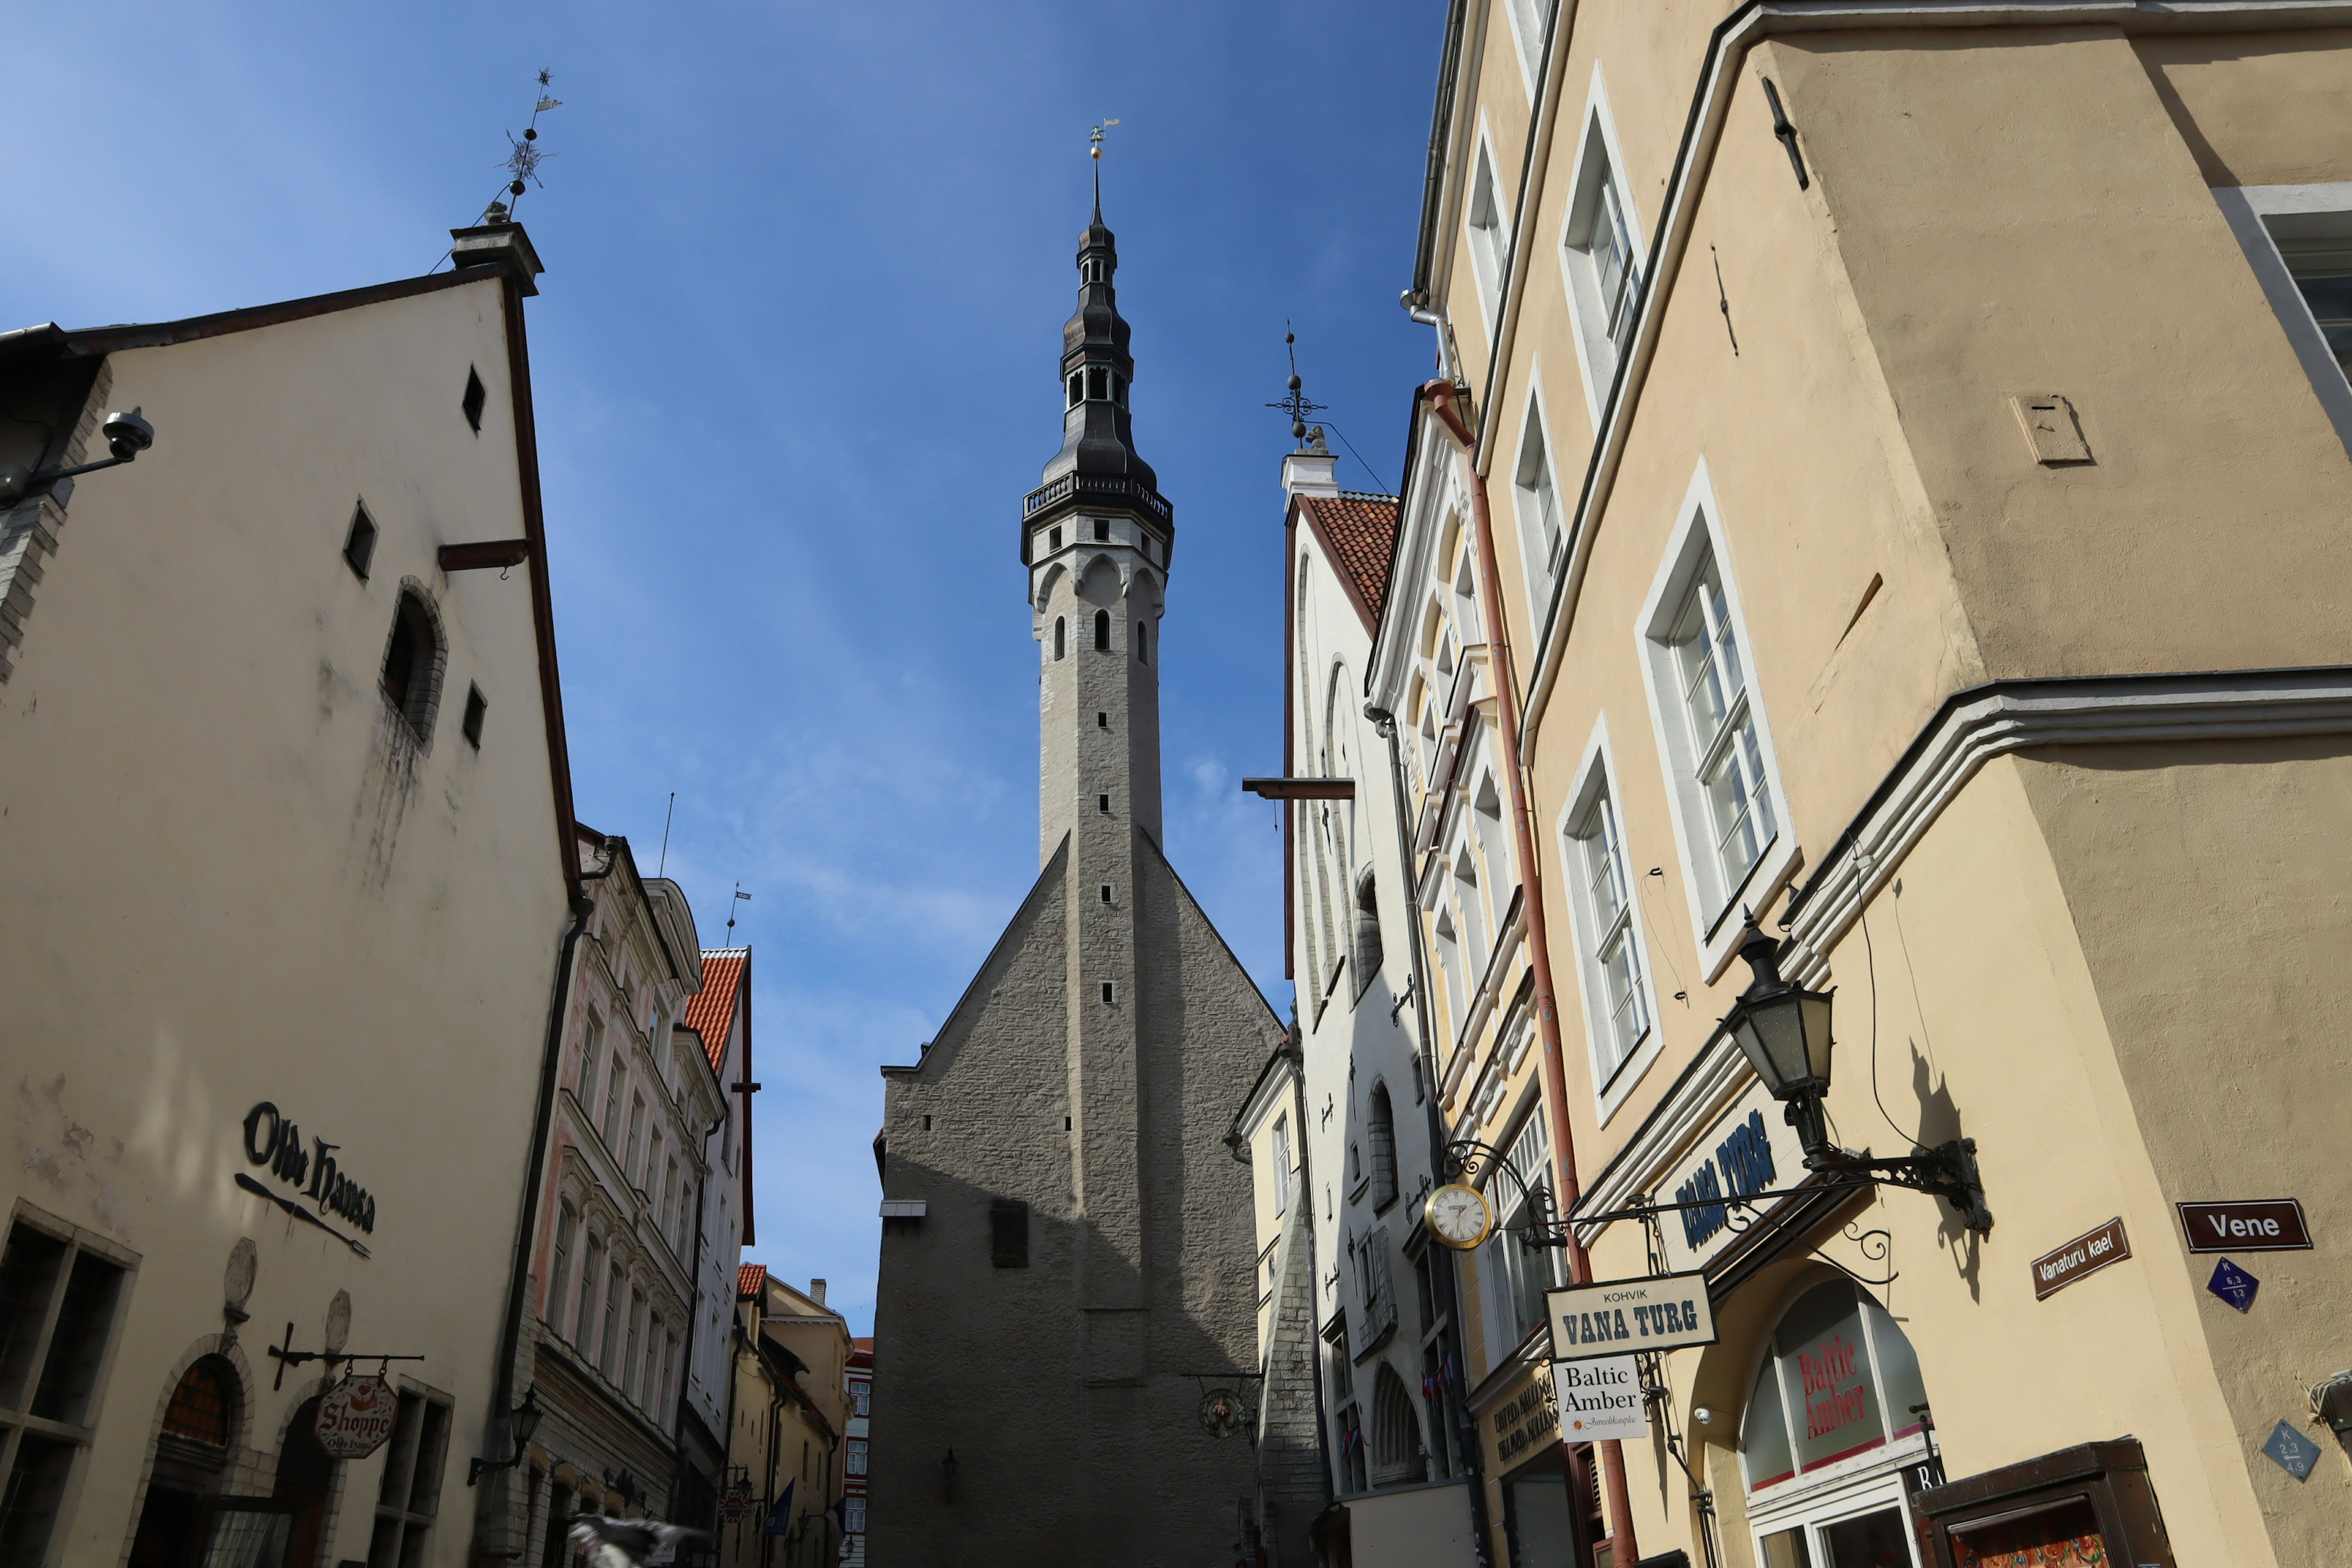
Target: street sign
2086, 1254
2246, 1224
1599, 1399
2233, 1285
356, 1416
1664, 1312
2291, 1451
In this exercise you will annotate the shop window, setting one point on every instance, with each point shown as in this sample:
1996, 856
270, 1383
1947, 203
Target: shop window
409, 1498
1008, 1232
58, 1311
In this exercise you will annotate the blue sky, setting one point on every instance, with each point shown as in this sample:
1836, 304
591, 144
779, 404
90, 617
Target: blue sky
794, 364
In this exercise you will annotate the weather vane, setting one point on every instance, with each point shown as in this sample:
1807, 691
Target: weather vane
1296, 405
522, 164
1095, 138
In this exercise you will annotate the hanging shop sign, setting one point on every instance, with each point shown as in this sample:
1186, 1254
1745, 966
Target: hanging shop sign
2246, 1224
2086, 1254
1621, 1315
356, 1416
1599, 1399
272, 1138
1749, 1149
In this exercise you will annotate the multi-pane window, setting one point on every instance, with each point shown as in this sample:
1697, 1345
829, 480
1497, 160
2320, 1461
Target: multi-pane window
1489, 246
1282, 1164
853, 1516
1613, 958
614, 1283
1727, 753
612, 1092
2322, 274
668, 1195
1602, 255
1373, 1277
58, 1305
591, 1047
584, 1322
559, 1276
636, 1131
1614, 270
1539, 502
627, 1373
1514, 1275
862, 1399
410, 1495
857, 1457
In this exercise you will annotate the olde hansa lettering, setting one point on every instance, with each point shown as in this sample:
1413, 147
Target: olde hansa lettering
274, 1140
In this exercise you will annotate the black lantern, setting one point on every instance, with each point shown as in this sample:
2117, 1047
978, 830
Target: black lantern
1783, 1030
526, 1420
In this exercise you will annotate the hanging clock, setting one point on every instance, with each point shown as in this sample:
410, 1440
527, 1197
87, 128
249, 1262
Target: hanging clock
1458, 1216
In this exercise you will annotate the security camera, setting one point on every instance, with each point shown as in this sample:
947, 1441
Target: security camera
128, 435
1703, 1415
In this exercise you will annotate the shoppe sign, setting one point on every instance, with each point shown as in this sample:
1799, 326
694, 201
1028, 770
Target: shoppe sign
1622, 1316
356, 1416
1749, 1149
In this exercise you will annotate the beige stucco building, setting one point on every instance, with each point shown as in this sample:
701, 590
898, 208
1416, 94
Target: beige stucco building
787, 1456
286, 820
1906, 446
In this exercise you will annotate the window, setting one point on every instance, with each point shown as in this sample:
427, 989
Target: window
626, 1374
1102, 631
1102, 804
649, 1385
583, 1321
1513, 1275
1379, 1135
410, 1495
1616, 989
1110, 994
1489, 246
199, 1409
412, 665
1536, 498
2322, 270
1053, 539
1530, 19
669, 1364
1102, 530
476, 397
852, 1514
1397, 1454
1105, 890
558, 1273
1143, 642
591, 1045
57, 1309
1282, 1164
857, 1457
359, 545
1097, 384
629, 1153
1379, 1295
653, 1162
1351, 1451
607, 1359
1008, 1236
861, 1399
670, 1197
1368, 950
1600, 252
477, 707
612, 1090
1076, 389
1061, 638
1102, 721
1726, 756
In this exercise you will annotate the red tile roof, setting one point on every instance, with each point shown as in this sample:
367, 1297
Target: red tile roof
751, 1278
1359, 532
711, 1012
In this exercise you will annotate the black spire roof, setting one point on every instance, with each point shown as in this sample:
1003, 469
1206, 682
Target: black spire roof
1098, 467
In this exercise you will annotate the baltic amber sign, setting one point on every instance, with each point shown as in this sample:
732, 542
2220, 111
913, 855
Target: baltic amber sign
2248, 1224
2053, 1271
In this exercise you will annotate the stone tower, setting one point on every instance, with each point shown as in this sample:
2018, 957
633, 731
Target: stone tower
1067, 1253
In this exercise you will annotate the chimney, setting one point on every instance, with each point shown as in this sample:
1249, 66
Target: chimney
817, 1291
1311, 470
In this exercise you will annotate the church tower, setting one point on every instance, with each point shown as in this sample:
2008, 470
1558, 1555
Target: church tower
1068, 1248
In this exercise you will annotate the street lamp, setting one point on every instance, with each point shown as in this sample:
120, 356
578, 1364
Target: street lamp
523, 1421
1783, 1030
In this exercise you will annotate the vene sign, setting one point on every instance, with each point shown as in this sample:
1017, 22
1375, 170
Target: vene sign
2245, 1224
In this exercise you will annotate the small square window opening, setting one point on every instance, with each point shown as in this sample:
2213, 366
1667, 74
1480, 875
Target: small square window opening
1102, 804
1102, 528
1110, 994
1106, 893
476, 397
1053, 539
1102, 721
359, 545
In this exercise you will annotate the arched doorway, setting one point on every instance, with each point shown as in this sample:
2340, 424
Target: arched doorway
191, 1456
1837, 1411
306, 1477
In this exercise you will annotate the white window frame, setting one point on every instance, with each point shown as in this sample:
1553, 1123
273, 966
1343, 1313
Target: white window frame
1713, 910
1596, 788
1528, 35
1486, 270
2259, 216
1598, 159
1541, 558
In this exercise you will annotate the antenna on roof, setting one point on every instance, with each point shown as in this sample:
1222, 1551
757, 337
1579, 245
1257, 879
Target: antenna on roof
666, 821
740, 897
522, 163
1296, 405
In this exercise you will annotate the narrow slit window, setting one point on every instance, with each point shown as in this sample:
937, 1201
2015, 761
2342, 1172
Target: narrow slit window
1102, 721
1106, 893
1053, 539
1102, 804
359, 545
477, 394
1102, 631
476, 706
1143, 642
1061, 638
1110, 994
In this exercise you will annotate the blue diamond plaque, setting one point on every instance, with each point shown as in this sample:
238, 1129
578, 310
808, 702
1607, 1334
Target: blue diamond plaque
2291, 1451
2233, 1285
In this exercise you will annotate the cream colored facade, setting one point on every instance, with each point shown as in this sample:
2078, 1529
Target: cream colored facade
287, 835
1977, 425
784, 1445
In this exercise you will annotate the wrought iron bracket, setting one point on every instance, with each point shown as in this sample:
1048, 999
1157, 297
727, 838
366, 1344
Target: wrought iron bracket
1948, 1171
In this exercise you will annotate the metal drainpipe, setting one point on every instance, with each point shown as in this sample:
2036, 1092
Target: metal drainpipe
1465, 1429
542, 1127
1442, 398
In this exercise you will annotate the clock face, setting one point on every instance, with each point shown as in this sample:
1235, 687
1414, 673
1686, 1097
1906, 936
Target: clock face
1458, 1216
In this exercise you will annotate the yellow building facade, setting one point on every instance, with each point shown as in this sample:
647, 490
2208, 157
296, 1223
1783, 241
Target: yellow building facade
1884, 478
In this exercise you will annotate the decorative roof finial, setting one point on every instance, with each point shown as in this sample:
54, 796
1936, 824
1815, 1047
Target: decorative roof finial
1296, 405
522, 163
1094, 151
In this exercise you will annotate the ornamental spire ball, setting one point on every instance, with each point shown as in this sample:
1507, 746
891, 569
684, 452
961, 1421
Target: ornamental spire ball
522, 161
